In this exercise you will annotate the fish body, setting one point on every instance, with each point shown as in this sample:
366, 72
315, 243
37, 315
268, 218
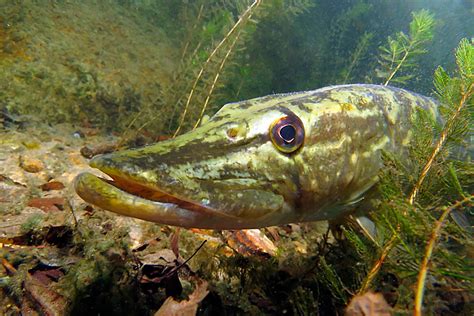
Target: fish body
272, 160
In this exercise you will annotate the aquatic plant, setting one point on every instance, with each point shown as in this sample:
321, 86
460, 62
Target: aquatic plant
406, 219
401, 51
402, 252
356, 57
144, 84
234, 32
211, 74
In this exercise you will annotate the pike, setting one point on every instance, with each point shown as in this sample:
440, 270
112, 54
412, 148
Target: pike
272, 160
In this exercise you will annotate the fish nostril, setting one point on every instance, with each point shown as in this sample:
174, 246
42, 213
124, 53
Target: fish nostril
232, 132
101, 161
96, 162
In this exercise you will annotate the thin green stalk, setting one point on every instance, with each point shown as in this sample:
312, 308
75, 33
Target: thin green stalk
420, 287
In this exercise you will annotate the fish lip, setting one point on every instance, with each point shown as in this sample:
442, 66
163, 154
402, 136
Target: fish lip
129, 186
100, 192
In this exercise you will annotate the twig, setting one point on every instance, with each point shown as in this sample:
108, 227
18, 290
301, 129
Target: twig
429, 251
378, 264
8, 266
186, 261
216, 77
242, 18
440, 143
72, 212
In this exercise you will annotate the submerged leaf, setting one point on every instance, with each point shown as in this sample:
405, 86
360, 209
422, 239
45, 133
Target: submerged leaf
189, 307
368, 304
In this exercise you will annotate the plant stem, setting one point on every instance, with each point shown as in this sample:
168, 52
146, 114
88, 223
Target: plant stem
244, 17
216, 77
429, 251
398, 66
378, 264
439, 144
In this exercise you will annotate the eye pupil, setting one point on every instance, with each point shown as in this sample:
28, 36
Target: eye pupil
287, 133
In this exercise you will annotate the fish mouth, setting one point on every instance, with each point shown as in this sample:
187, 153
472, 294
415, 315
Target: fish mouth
153, 194
129, 198
173, 188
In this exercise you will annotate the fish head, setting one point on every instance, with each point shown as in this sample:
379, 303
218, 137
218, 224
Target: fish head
262, 162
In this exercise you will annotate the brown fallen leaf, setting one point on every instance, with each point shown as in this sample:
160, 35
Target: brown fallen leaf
251, 242
184, 308
53, 204
47, 276
158, 270
47, 301
368, 304
52, 185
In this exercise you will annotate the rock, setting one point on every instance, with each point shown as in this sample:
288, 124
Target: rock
31, 165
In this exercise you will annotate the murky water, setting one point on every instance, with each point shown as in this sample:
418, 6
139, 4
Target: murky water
83, 78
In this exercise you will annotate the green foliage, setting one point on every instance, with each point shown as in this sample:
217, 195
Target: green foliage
208, 61
332, 280
32, 223
456, 95
398, 58
453, 92
356, 57
449, 179
99, 281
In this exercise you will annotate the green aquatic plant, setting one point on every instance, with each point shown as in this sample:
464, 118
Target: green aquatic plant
457, 96
211, 76
231, 36
408, 218
206, 37
397, 58
356, 57
345, 44
32, 223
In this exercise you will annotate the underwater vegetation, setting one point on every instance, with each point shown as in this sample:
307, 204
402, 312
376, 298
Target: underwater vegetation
145, 70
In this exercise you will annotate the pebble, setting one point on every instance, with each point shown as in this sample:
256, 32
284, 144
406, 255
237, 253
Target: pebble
32, 165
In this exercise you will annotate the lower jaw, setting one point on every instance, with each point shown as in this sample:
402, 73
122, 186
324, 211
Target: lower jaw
101, 193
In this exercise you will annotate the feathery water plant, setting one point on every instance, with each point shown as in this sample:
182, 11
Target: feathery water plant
403, 252
399, 54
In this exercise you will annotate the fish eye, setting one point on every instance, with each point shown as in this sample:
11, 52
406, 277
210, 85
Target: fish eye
287, 133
